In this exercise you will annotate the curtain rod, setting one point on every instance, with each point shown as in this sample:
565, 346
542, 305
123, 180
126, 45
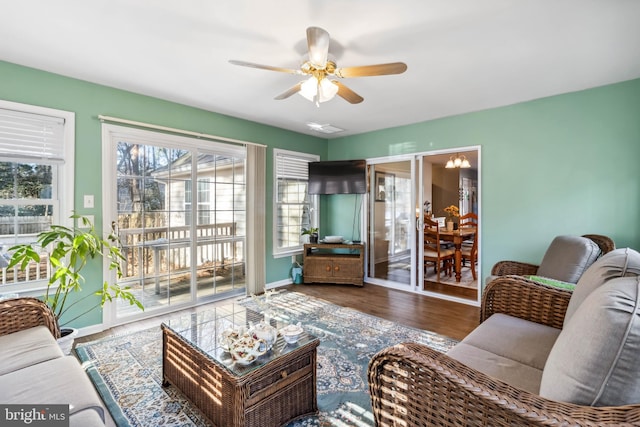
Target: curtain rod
174, 130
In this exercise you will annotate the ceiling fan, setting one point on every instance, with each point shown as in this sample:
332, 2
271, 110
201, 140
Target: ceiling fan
320, 86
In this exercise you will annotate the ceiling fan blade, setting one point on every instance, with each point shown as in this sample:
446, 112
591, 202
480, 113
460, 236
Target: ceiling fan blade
318, 43
264, 67
372, 70
291, 91
347, 94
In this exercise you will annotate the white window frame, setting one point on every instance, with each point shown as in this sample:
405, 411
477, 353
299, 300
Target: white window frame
63, 206
314, 201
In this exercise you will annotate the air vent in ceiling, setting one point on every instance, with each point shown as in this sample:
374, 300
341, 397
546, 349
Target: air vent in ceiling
326, 128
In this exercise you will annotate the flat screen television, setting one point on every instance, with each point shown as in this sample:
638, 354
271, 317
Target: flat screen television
338, 177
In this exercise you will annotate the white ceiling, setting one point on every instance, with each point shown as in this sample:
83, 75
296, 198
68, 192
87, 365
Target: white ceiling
462, 55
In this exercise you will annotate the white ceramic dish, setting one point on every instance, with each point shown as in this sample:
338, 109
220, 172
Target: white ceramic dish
333, 239
291, 333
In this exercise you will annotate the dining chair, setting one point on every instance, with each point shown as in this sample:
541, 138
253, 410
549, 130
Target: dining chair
434, 251
470, 252
468, 220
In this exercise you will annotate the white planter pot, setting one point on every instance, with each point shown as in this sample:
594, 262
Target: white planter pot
66, 340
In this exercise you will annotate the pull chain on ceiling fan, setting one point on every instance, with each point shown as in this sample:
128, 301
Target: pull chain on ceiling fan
319, 87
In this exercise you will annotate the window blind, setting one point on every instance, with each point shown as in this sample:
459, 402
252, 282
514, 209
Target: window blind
292, 167
27, 136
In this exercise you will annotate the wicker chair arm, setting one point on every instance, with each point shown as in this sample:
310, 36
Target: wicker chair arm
526, 299
414, 385
17, 314
503, 268
605, 243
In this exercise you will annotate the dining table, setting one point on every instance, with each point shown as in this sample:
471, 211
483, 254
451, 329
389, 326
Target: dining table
457, 237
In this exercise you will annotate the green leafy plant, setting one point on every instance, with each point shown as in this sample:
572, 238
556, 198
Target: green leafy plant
69, 250
310, 231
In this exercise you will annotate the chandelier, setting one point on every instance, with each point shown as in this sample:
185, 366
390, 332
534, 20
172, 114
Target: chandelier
457, 162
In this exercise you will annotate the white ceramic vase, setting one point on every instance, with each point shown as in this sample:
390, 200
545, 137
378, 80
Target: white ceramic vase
66, 340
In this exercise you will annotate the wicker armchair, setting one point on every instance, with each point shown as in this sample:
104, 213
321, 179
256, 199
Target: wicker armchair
504, 268
413, 385
21, 313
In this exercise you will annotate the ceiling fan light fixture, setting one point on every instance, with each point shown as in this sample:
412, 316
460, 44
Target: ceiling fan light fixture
319, 64
318, 90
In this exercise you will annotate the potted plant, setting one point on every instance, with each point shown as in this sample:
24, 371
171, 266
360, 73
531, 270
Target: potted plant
312, 232
69, 250
452, 213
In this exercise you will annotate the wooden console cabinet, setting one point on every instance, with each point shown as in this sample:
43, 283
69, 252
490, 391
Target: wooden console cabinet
334, 263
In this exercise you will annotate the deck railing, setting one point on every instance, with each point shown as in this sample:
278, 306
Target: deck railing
155, 251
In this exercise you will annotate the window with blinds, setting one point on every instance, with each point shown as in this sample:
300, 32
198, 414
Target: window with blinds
27, 136
36, 182
294, 209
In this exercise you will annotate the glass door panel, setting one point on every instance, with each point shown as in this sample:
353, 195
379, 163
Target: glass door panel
181, 242
391, 221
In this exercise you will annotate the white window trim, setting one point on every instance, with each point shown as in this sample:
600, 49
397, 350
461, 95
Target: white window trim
281, 253
66, 188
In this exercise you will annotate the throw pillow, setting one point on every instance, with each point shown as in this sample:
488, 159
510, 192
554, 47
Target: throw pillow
596, 359
617, 263
568, 257
552, 282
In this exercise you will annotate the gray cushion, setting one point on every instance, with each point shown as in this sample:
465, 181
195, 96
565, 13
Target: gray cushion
506, 370
617, 263
568, 257
57, 381
86, 418
596, 359
510, 349
514, 338
27, 347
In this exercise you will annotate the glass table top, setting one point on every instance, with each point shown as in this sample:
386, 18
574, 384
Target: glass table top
204, 330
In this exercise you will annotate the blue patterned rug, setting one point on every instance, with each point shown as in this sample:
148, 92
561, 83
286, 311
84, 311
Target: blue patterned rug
127, 369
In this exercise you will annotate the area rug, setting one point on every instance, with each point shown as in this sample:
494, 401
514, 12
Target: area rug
127, 369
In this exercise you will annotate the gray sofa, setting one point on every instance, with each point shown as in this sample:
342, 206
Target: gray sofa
33, 369
541, 356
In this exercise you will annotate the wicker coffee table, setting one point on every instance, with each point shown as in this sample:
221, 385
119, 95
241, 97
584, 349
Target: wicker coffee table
278, 387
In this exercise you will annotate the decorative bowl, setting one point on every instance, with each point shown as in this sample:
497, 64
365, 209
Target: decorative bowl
333, 239
246, 349
229, 336
291, 333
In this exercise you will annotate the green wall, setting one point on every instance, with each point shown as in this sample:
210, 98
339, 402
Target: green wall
558, 165
87, 100
566, 164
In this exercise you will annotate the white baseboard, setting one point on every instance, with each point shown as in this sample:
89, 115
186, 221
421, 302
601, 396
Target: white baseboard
89, 330
278, 284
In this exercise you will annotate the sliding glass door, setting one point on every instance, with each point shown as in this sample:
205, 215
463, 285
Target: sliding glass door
403, 190
179, 211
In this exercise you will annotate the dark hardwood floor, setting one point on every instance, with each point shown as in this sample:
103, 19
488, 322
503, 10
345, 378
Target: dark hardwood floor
451, 290
448, 318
